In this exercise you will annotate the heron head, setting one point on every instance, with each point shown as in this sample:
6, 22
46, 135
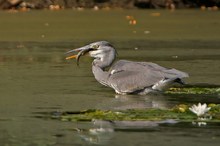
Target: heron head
98, 50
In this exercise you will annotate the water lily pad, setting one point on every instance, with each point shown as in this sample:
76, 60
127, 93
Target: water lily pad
195, 90
179, 112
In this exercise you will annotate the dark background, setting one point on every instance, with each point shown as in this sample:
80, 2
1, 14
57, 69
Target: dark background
127, 4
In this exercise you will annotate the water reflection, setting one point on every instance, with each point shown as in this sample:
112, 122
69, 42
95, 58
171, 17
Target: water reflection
97, 135
103, 131
123, 102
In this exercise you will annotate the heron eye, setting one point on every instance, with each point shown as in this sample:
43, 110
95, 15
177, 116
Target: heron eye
95, 46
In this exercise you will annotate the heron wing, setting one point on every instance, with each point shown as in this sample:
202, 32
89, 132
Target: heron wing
127, 76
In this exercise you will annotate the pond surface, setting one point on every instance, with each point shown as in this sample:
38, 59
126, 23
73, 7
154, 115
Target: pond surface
36, 78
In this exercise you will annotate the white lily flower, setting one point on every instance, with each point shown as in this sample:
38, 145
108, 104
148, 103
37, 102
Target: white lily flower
200, 109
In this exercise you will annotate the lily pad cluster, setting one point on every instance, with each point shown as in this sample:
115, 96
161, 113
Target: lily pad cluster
179, 112
195, 90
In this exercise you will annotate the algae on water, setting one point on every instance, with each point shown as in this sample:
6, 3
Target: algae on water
179, 112
194, 90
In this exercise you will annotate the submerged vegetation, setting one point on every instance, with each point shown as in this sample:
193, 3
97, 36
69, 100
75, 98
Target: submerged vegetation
194, 90
179, 113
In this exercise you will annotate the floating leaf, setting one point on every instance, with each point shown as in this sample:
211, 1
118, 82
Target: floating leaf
179, 112
194, 90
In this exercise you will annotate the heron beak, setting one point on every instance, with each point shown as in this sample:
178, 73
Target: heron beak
81, 51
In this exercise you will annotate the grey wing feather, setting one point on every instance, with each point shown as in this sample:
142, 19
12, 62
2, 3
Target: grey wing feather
130, 81
128, 76
167, 72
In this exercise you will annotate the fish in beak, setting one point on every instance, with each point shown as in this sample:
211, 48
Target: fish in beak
81, 51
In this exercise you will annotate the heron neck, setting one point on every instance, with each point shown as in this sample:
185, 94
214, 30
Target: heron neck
101, 64
100, 75
104, 62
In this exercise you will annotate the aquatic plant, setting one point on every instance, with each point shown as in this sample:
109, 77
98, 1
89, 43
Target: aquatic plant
200, 109
195, 90
180, 112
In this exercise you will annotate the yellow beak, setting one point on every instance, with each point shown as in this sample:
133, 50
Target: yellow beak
71, 57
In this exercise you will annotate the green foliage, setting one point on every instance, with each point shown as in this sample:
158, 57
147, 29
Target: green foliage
215, 111
179, 112
194, 90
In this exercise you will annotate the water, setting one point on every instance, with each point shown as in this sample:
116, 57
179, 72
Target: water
36, 78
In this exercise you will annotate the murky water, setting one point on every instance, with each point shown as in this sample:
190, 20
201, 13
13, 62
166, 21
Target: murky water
35, 77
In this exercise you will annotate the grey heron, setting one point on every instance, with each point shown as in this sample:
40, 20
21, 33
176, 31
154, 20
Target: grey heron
127, 77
